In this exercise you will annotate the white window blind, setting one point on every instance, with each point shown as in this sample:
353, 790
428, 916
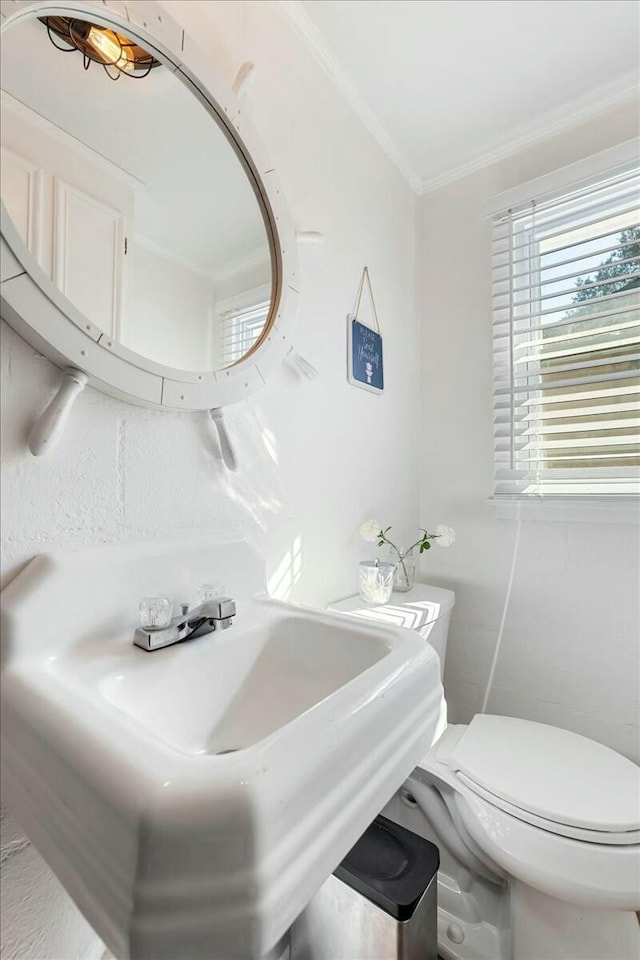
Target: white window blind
566, 298
241, 328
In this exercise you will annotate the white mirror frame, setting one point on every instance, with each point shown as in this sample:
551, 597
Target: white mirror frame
38, 311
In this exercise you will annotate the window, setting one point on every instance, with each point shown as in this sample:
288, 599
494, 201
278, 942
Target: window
566, 297
241, 328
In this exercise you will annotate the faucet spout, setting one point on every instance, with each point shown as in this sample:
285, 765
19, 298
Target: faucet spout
212, 615
216, 614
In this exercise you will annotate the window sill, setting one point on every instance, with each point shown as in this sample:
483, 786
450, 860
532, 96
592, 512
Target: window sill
568, 509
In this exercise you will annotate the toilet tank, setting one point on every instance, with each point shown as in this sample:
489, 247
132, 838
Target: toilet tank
424, 608
432, 608
437, 604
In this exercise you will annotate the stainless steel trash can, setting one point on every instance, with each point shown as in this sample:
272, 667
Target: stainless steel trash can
380, 903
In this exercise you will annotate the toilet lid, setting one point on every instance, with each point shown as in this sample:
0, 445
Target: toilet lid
552, 773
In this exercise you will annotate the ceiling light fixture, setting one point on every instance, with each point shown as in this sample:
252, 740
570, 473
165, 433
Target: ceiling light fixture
97, 44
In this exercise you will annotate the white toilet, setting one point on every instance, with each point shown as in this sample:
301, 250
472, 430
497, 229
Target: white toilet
538, 828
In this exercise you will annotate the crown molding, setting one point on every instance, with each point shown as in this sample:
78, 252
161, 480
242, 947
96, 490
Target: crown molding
309, 33
161, 251
624, 90
256, 258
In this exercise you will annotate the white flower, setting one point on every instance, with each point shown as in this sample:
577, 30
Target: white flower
369, 530
444, 536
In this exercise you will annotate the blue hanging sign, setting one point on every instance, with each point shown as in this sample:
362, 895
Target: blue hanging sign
365, 357
364, 345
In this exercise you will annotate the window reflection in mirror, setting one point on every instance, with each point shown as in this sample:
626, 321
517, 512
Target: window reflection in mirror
135, 204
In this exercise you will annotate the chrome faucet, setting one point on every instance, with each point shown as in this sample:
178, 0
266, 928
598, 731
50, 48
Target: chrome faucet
216, 614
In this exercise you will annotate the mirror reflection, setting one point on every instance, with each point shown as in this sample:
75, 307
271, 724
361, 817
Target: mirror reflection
130, 196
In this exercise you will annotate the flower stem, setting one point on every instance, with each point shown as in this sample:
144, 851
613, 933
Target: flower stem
401, 556
423, 543
404, 569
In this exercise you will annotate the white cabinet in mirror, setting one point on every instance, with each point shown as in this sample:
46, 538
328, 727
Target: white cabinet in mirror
146, 244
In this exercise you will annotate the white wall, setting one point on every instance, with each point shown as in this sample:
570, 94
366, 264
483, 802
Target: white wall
316, 457
168, 310
570, 653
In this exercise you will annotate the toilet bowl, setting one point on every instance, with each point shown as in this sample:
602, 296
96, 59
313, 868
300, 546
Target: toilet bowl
538, 830
556, 818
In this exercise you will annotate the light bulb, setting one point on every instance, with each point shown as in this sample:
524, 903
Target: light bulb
112, 48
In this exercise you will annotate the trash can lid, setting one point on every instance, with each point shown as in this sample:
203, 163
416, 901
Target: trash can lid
390, 866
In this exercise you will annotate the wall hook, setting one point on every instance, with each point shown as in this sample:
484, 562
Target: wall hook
243, 78
49, 427
309, 236
301, 364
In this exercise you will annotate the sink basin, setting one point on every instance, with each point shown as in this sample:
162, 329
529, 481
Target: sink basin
229, 691
193, 799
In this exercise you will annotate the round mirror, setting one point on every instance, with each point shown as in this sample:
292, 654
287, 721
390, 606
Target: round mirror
131, 199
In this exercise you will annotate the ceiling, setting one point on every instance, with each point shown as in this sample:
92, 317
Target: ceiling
449, 85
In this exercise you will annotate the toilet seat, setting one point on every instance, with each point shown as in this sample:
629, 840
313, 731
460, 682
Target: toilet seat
584, 864
551, 778
561, 829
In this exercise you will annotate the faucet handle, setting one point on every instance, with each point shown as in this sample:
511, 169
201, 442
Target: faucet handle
211, 591
155, 612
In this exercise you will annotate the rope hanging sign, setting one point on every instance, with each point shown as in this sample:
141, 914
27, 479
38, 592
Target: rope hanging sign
364, 344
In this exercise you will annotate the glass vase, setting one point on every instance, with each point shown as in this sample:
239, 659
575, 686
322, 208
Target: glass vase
405, 575
375, 581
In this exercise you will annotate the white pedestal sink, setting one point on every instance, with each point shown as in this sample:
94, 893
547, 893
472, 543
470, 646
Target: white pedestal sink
193, 799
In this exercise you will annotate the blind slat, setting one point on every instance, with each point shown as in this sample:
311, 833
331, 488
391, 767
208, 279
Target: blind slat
500, 258
502, 326
568, 291
572, 351
631, 360
619, 295
589, 332
585, 272
597, 409
557, 391
593, 425
522, 250
522, 230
